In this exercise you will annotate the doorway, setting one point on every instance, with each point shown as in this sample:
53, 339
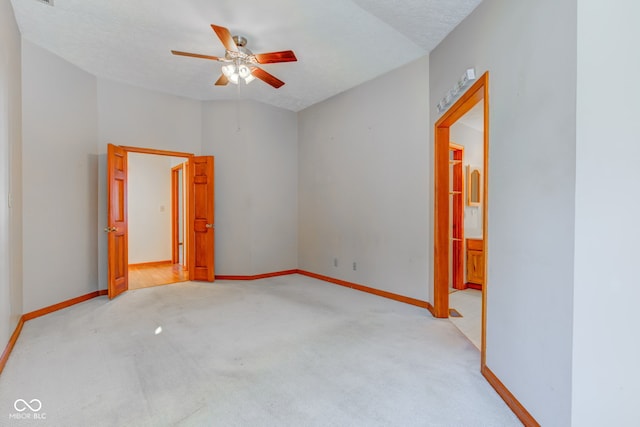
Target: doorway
198, 215
443, 205
466, 158
155, 210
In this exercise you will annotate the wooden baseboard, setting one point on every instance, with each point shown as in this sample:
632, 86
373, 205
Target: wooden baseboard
257, 276
511, 401
63, 304
41, 312
12, 342
152, 264
385, 294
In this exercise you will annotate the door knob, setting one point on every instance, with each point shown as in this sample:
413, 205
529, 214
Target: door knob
110, 229
210, 225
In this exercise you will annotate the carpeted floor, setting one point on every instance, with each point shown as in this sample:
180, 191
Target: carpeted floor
284, 351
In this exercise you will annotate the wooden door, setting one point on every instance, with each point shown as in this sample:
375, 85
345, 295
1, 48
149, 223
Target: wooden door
201, 218
118, 271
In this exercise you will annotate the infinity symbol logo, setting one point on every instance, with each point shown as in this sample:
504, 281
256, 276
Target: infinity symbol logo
21, 405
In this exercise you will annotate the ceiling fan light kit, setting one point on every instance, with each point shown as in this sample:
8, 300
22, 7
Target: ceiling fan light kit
241, 63
235, 72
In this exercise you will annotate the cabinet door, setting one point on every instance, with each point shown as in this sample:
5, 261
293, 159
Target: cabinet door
475, 267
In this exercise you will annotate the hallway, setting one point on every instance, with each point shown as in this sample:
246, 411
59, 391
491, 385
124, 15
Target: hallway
145, 276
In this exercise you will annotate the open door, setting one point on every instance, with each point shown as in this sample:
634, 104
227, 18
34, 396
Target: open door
201, 219
118, 274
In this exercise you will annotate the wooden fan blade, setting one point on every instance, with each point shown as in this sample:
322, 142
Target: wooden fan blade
222, 81
273, 57
195, 55
225, 37
266, 77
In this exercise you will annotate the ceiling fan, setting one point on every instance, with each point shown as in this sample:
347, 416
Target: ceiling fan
241, 62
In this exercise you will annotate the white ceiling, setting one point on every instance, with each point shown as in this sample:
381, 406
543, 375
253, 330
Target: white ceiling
474, 118
339, 43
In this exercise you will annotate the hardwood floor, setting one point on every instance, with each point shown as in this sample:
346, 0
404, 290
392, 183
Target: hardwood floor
145, 276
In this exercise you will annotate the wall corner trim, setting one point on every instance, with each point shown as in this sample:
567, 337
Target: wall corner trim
511, 401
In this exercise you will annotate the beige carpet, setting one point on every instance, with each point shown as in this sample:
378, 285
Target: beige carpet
284, 351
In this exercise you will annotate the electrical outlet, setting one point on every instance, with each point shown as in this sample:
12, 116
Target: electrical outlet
355, 266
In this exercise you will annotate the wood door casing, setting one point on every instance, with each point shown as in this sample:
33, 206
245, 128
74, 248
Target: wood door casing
478, 92
201, 218
175, 214
117, 232
199, 238
179, 222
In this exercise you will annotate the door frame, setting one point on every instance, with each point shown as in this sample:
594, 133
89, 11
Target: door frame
140, 150
478, 92
176, 200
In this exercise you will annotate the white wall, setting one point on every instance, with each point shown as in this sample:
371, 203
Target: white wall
473, 142
230, 145
365, 184
273, 165
606, 378
149, 207
60, 177
264, 165
141, 118
256, 186
10, 175
530, 50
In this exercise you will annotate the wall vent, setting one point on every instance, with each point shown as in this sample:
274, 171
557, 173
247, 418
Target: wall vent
49, 2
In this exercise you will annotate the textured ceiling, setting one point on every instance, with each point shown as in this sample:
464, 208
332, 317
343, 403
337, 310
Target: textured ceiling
339, 43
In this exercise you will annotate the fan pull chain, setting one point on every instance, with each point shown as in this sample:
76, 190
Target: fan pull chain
238, 107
